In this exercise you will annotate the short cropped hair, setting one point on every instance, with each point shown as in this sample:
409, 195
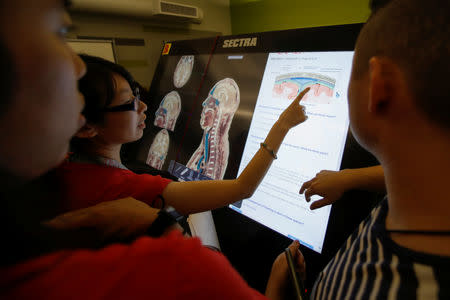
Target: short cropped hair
416, 36
375, 5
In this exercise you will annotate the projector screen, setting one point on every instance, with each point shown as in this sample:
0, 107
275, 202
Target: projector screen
315, 145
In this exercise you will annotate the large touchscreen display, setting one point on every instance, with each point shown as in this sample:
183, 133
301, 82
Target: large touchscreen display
315, 145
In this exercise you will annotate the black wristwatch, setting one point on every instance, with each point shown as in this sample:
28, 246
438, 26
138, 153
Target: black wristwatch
167, 217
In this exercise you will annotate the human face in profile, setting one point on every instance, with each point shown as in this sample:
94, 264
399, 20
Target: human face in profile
122, 127
45, 110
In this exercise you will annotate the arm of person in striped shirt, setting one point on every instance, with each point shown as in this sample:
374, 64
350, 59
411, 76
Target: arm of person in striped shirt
331, 185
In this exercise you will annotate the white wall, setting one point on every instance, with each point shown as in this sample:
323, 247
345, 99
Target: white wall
141, 61
216, 14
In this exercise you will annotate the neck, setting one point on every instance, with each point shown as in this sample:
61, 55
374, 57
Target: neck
107, 151
417, 181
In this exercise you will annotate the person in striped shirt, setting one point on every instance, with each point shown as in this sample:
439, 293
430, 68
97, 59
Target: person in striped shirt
400, 111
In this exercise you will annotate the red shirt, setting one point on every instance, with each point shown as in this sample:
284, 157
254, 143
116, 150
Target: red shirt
171, 267
85, 184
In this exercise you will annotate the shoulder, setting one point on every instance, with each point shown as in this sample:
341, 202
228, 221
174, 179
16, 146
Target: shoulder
69, 166
92, 170
172, 267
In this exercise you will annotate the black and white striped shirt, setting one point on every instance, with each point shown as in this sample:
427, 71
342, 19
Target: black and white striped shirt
370, 265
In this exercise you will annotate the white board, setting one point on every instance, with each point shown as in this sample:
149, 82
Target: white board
100, 48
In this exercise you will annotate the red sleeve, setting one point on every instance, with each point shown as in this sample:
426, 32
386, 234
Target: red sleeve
146, 187
84, 185
172, 267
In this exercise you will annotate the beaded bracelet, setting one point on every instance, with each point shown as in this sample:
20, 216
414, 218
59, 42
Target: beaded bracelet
271, 152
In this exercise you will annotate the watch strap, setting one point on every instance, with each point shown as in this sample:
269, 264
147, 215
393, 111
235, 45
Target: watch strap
166, 218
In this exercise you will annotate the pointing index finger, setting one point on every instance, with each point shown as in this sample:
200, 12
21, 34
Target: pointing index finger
301, 95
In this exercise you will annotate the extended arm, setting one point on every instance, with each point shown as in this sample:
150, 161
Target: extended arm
196, 196
331, 185
369, 179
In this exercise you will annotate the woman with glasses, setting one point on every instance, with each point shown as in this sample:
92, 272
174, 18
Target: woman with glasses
115, 115
40, 112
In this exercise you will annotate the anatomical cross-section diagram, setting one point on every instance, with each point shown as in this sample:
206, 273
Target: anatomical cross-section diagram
169, 109
211, 156
183, 71
158, 150
288, 86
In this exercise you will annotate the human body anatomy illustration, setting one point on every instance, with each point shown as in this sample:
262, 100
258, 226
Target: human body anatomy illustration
183, 71
211, 157
169, 109
158, 150
288, 86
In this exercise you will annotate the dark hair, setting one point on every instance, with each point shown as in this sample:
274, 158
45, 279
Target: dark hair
375, 5
417, 37
98, 88
98, 85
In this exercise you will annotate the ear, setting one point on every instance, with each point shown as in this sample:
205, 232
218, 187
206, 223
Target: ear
87, 131
385, 81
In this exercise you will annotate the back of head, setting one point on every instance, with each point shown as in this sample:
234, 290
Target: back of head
416, 36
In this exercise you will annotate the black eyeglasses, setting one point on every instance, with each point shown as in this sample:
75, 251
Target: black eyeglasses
132, 106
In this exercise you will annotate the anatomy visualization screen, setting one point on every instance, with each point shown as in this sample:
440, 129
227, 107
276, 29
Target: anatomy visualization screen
211, 156
315, 145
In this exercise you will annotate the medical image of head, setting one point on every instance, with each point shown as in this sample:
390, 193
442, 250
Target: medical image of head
183, 71
288, 86
169, 109
211, 157
158, 150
